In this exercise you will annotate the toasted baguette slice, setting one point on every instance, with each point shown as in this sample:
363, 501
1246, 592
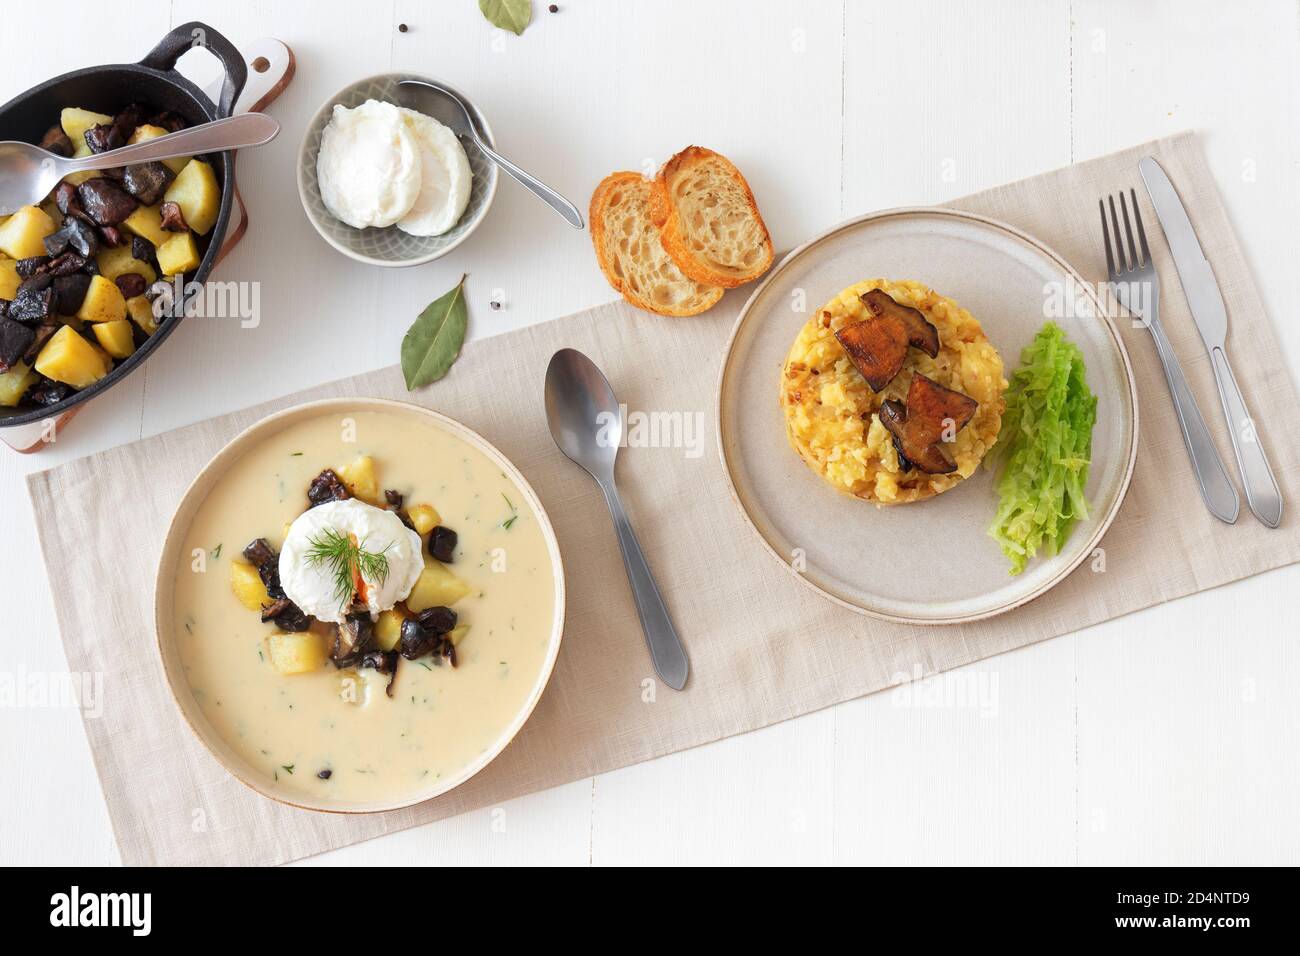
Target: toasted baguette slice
631, 256
708, 220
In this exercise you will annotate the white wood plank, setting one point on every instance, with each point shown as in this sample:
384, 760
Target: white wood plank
1187, 727
944, 99
551, 828
760, 798
51, 810
937, 106
972, 766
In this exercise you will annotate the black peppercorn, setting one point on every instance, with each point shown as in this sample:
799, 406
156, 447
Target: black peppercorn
402, 28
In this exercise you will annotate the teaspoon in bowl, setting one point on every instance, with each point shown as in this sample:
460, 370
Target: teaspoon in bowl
587, 425
28, 173
450, 110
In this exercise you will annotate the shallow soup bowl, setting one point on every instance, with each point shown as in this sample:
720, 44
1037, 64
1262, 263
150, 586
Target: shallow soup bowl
259, 440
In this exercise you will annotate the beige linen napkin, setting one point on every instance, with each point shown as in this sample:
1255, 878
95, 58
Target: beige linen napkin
763, 648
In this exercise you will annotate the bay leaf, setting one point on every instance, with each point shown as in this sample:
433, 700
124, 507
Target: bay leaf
512, 15
433, 341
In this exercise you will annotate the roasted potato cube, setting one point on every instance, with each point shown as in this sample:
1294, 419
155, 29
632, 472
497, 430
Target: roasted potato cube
116, 338
296, 653
15, 383
9, 281
247, 585
424, 517
146, 221
457, 634
436, 585
147, 132
360, 478
22, 234
141, 310
75, 121
196, 191
388, 629
178, 254
118, 261
69, 358
103, 302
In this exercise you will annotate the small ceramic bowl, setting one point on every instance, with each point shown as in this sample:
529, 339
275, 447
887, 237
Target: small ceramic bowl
391, 246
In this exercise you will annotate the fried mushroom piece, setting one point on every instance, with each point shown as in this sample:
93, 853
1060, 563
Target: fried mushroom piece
920, 426
173, 220
327, 486
286, 615
262, 556
105, 202
57, 142
385, 662
147, 181
352, 639
15, 339
920, 333
878, 346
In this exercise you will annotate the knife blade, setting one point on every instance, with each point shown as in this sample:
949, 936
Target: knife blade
1211, 318
1194, 270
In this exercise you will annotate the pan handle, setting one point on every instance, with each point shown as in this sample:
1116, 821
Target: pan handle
185, 37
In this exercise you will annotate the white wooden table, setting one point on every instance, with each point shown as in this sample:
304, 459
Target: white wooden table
1169, 736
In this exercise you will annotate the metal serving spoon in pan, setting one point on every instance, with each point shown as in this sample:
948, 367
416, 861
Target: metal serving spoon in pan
28, 173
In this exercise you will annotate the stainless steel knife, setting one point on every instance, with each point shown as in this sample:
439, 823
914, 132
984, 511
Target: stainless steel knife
1202, 291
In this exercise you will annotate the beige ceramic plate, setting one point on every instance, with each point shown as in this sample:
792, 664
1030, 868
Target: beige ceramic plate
931, 562
180, 523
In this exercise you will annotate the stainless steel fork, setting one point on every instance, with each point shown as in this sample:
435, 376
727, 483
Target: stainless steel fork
1135, 283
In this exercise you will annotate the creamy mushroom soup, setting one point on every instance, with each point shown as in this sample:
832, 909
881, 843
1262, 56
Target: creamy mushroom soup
399, 695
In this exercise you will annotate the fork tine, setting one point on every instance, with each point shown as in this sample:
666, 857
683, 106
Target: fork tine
1119, 245
1128, 231
1105, 236
1142, 233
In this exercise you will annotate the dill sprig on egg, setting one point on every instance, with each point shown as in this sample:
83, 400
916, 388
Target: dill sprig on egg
346, 559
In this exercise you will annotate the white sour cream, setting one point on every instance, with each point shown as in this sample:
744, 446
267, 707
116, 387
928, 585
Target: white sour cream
369, 166
312, 586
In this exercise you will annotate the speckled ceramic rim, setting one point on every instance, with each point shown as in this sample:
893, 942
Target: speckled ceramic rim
317, 120
198, 491
810, 248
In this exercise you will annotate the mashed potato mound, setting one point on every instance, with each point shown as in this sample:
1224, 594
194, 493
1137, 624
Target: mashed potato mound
832, 415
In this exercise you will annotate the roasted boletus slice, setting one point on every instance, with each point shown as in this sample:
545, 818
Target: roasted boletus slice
352, 639
385, 662
920, 333
327, 486
69, 292
919, 427
147, 181
877, 348
104, 201
15, 339
57, 142
286, 615
262, 556
173, 220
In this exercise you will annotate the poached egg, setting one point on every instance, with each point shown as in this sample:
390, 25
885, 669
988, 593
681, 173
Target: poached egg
312, 587
368, 168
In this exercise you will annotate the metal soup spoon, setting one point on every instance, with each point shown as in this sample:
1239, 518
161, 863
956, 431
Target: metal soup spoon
28, 173
587, 425
450, 110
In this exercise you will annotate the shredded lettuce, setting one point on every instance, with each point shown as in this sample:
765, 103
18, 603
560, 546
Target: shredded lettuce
1043, 449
